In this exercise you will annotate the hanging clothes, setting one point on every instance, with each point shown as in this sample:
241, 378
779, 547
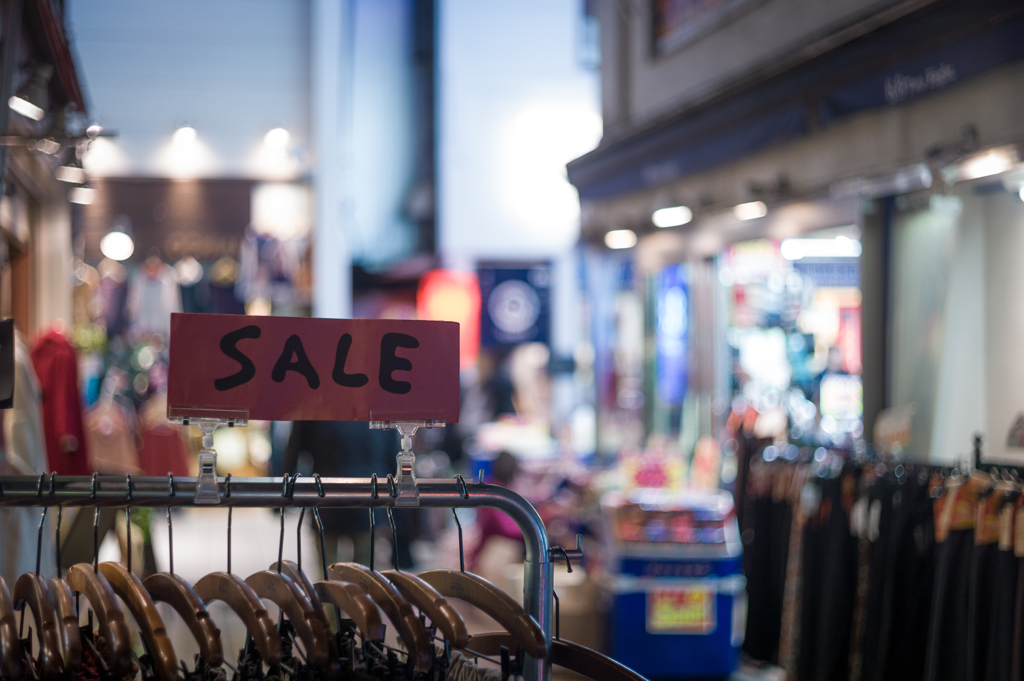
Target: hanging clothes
195, 295
113, 294
24, 448
56, 366
267, 267
152, 297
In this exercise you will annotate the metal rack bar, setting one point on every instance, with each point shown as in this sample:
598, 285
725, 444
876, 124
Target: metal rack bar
306, 493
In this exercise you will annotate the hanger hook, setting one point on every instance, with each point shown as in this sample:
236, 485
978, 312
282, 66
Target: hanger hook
95, 539
394, 538
462, 553
323, 548
298, 537
60, 516
128, 519
39, 540
95, 480
227, 495
39, 484
465, 490
280, 542
170, 484
170, 541
319, 486
559, 549
373, 495
392, 492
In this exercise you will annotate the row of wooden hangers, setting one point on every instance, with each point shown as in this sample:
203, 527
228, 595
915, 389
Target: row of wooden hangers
301, 644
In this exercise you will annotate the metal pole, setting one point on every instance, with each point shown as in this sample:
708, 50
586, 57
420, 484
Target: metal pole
337, 492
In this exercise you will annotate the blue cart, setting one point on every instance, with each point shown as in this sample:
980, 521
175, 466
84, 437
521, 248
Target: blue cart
677, 590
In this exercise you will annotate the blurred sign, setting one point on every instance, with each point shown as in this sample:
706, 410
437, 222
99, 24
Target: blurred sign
684, 610
671, 334
290, 369
6, 363
835, 272
516, 305
449, 295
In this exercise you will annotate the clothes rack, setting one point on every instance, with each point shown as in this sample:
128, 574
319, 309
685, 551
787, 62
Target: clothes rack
170, 492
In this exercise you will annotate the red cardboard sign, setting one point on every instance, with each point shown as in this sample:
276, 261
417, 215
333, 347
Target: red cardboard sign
297, 368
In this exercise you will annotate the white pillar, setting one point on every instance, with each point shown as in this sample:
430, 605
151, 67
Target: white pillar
331, 55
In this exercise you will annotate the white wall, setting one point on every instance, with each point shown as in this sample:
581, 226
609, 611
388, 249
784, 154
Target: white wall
232, 68
514, 107
1004, 314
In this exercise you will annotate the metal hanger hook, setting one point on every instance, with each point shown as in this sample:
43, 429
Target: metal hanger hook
128, 520
280, 542
319, 486
39, 539
227, 495
465, 490
394, 538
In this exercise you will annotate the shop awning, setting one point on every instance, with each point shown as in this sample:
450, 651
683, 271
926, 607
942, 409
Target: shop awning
922, 52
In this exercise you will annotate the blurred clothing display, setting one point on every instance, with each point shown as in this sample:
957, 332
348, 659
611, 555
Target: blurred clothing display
113, 292
56, 366
195, 295
267, 267
24, 448
112, 435
164, 449
223, 298
152, 296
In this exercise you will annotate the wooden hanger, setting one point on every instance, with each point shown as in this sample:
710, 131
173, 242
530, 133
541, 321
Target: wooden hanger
30, 590
292, 571
95, 587
478, 592
572, 656
151, 625
64, 607
432, 604
179, 594
398, 610
11, 663
281, 590
223, 586
352, 601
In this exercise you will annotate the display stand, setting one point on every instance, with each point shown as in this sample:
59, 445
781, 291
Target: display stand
112, 492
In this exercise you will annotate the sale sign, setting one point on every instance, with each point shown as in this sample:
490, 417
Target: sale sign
292, 369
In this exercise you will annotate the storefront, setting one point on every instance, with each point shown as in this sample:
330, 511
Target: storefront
815, 251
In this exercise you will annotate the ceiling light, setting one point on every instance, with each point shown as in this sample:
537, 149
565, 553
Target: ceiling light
750, 211
184, 136
620, 238
117, 246
72, 174
277, 138
25, 108
82, 195
672, 217
988, 162
840, 247
94, 130
47, 146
